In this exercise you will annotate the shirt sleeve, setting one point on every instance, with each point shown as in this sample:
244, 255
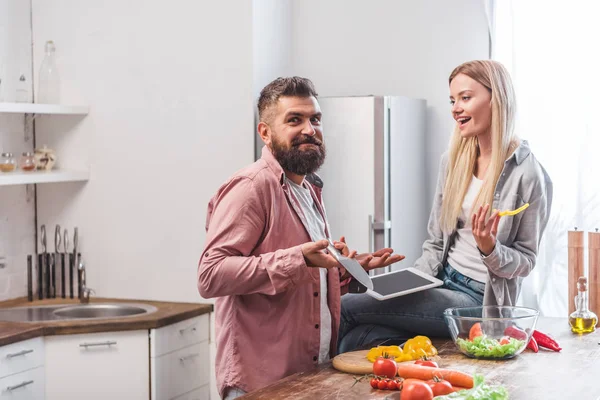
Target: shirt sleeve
237, 221
519, 258
430, 261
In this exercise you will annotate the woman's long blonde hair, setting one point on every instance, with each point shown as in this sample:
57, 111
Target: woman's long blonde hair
463, 153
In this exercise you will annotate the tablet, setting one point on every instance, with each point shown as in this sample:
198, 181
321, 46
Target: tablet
398, 283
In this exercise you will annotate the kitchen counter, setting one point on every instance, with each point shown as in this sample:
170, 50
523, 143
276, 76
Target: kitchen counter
167, 313
570, 374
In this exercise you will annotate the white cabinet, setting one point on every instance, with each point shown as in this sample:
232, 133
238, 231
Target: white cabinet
180, 362
98, 366
27, 385
22, 370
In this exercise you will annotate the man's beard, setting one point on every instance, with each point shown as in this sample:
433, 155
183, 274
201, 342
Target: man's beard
297, 161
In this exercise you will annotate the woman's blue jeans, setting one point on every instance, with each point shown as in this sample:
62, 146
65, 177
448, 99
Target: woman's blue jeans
367, 321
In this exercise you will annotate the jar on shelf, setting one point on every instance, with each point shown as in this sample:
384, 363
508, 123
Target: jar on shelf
7, 162
44, 158
27, 162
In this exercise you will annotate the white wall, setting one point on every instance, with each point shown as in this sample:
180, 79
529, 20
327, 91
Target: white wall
390, 47
17, 225
170, 90
272, 47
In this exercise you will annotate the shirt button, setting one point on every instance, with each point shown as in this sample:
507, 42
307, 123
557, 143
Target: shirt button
315, 358
316, 294
493, 279
499, 300
497, 195
317, 326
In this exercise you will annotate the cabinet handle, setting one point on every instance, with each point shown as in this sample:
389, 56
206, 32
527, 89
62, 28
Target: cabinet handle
192, 328
20, 353
188, 357
20, 385
107, 343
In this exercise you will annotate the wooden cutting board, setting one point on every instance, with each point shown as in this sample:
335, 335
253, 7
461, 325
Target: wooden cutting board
355, 362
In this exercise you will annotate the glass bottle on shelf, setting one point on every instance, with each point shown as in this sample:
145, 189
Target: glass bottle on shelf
27, 162
22, 92
7, 162
582, 320
49, 82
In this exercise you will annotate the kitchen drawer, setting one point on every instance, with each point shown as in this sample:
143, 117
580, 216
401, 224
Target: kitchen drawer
179, 335
180, 372
197, 394
21, 356
28, 385
98, 366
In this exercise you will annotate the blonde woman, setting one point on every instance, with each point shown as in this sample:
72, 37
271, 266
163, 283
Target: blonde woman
481, 257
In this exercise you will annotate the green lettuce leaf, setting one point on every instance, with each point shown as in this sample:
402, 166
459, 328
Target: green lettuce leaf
482, 346
480, 391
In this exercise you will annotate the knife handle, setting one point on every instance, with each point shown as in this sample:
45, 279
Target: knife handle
63, 284
47, 274
40, 283
53, 275
70, 275
29, 278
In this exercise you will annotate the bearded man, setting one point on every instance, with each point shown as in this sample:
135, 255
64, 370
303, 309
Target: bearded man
278, 291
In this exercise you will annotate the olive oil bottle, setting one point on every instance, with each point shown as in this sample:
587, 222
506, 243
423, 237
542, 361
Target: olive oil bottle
582, 320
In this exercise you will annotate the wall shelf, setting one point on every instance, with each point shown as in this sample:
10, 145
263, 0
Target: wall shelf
43, 109
24, 178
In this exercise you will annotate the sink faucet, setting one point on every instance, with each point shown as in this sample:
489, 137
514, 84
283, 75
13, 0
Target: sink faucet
84, 291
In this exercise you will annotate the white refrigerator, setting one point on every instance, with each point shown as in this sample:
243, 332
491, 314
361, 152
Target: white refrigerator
375, 183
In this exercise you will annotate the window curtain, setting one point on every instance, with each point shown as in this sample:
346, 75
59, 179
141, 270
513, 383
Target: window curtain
551, 52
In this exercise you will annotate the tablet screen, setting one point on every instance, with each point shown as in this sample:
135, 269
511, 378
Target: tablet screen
398, 281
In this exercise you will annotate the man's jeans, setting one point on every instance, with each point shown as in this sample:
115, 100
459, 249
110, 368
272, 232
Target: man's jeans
367, 321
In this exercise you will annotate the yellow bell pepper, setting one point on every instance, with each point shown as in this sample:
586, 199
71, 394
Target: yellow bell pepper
513, 212
414, 349
379, 351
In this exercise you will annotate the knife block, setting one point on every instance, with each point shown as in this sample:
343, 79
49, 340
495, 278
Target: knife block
594, 271
576, 263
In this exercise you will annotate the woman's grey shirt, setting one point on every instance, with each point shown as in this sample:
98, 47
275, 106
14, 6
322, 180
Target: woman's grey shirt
523, 180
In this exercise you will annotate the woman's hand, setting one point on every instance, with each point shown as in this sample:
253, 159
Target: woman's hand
485, 229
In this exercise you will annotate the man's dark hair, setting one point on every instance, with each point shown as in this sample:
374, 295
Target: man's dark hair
286, 87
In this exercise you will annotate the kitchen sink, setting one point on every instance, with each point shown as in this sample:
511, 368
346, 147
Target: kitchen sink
103, 311
75, 311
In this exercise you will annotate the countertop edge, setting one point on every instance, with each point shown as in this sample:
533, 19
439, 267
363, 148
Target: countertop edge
13, 332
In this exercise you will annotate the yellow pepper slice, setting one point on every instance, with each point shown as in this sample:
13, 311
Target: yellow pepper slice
513, 212
414, 349
379, 351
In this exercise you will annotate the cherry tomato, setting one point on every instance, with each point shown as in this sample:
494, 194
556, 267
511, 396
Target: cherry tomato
392, 385
415, 389
382, 385
505, 340
385, 367
440, 387
427, 363
374, 383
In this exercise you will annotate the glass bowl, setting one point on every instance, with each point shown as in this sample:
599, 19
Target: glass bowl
491, 332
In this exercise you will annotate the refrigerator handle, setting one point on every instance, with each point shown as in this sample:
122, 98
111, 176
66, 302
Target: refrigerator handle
375, 226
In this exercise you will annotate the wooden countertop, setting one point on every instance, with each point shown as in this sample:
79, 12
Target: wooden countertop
167, 313
570, 374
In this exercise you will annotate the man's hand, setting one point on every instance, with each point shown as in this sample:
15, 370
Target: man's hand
316, 257
485, 229
380, 258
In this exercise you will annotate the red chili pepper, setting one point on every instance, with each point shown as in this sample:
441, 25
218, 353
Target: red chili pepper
532, 345
546, 341
515, 332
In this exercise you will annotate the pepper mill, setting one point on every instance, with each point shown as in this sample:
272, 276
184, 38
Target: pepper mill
576, 263
594, 270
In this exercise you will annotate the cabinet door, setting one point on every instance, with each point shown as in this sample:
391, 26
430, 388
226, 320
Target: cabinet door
98, 366
28, 385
